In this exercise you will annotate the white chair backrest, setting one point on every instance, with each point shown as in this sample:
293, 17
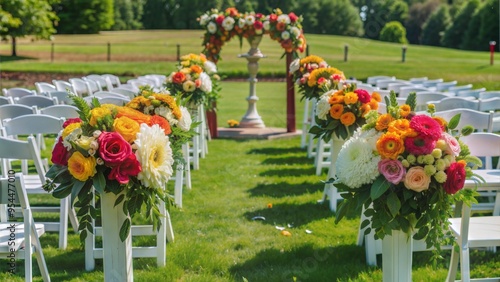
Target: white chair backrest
383, 84
62, 96
160, 78
119, 101
12, 110
81, 86
44, 87
367, 87
481, 121
17, 92
404, 91
455, 89
443, 86
492, 104
373, 79
61, 111
418, 80
470, 93
6, 100
94, 86
126, 92
129, 87
62, 85
484, 144
397, 86
115, 80
103, 82
423, 97
432, 82
141, 82
102, 94
22, 150
489, 94
32, 124
37, 101
456, 102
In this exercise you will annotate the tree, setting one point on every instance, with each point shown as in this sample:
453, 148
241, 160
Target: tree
393, 32
417, 16
483, 27
20, 18
376, 13
435, 26
128, 14
84, 16
331, 23
454, 35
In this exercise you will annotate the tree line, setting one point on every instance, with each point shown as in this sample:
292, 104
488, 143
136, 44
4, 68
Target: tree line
458, 24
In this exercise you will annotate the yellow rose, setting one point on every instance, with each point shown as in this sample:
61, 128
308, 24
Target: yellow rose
80, 167
127, 128
98, 113
70, 128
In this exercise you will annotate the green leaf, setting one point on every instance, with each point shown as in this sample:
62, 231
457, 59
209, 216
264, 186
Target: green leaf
77, 186
379, 186
119, 199
125, 229
63, 190
393, 204
99, 182
453, 123
365, 223
421, 233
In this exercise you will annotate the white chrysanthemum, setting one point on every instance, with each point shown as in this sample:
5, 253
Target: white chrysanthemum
285, 35
294, 65
266, 25
212, 27
228, 23
206, 82
166, 112
356, 165
284, 18
185, 121
241, 23
210, 67
155, 156
249, 19
204, 19
295, 31
323, 106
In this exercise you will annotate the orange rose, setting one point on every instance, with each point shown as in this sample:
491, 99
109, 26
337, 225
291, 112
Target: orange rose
178, 77
336, 111
162, 122
347, 118
133, 114
350, 98
196, 69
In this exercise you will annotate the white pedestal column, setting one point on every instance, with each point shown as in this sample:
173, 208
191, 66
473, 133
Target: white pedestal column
397, 253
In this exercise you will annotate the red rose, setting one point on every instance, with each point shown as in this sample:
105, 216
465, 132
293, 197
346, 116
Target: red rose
363, 96
259, 16
70, 121
178, 77
60, 154
113, 149
258, 25
219, 19
273, 18
455, 178
129, 167
293, 17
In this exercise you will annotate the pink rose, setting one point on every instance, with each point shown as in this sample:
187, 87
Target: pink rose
336, 77
258, 25
293, 17
455, 178
60, 154
321, 80
129, 167
452, 145
219, 19
416, 179
392, 170
363, 96
113, 149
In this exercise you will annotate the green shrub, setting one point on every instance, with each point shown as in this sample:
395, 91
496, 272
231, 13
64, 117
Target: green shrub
393, 32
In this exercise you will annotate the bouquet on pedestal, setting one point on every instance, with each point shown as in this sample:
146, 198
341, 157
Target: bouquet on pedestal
117, 150
190, 83
407, 170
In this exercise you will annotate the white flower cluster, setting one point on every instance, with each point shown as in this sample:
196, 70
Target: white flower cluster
323, 105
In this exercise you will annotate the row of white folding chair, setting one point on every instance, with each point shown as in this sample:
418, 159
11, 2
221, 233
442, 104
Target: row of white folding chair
17, 92
466, 102
27, 232
373, 79
35, 124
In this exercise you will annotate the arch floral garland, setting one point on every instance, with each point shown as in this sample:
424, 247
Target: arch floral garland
220, 27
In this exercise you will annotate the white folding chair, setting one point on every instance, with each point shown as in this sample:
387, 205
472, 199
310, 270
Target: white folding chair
454, 103
34, 125
126, 92
102, 94
491, 104
44, 87
62, 96
119, 101
80, 86
471, 232
37, 101
373, 79
418, 80
384, 84
432, 83
115, 80
397, 86
94, 86
27, 233
404, 91
489, 94
422, 98
17, 92
481, 121
6, 100
62, 111
12, 110
103, 82
444, 86
65, 86
470, 92
456, 89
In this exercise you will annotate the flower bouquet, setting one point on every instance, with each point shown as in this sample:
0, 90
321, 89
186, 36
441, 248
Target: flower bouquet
189, 60
341, 112
287, 30
190, 83
407, 170
117, 150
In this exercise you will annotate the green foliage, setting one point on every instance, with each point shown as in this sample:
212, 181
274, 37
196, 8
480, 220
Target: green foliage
84, 16
455, 33
435, 26
483, 28
417, 16
393, 32
379, 12
128, 14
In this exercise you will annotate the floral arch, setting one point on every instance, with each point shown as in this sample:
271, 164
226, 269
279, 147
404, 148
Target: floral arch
220, 27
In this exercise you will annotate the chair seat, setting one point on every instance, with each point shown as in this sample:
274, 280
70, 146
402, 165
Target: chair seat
33, 184
18, 229
484, 231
